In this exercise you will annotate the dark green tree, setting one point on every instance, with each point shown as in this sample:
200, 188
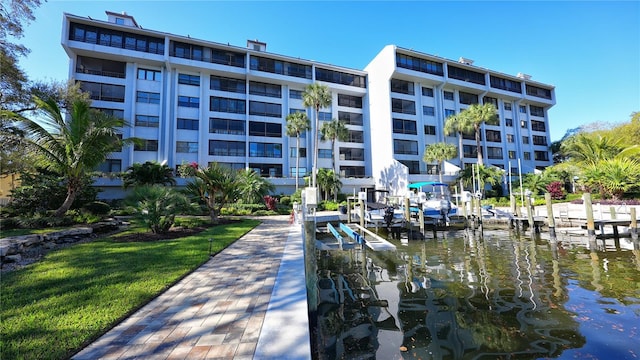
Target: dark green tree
148, 173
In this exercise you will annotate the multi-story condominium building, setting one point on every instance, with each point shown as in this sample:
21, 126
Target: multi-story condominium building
192, 100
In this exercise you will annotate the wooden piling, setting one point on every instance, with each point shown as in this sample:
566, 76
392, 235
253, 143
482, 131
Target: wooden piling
551, 221
407, 211
348, 211
421, 220
478, 211
633, 227
532, 224
612, 212
588, 207
362, 209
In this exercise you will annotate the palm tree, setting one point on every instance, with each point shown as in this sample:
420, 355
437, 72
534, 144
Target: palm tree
537, 183
74, 147
334, 130
460, 125
329, 183
252, 186
157, 206
590, 149
481, 114
216, 186
316, 96
487, 175
297, 123
613, 177
148, 173
439, 152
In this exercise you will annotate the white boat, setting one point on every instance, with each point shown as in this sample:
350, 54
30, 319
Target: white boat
382, 215
434, 198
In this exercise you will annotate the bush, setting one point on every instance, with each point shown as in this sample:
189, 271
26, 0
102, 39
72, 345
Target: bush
97, 208
285, 200
556, 189
270, 202
330, 205
9, 224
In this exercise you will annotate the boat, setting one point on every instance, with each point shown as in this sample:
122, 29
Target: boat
379, 215
434, 198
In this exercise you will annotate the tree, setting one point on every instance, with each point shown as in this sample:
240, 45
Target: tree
148, 173
439, 152
329, 183
589, 149
613, 177
74, 147
478, 115
157, 206
487, 175
316, 96
538, 183
460, 125
253, 187
334, 130
297, 123
216, 186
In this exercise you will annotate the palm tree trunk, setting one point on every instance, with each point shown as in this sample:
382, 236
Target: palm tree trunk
441, 170
315, 150
333, 156
73, 186
460, 150
297, 159
478, 146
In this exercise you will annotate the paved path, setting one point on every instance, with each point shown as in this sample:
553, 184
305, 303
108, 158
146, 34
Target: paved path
218, 311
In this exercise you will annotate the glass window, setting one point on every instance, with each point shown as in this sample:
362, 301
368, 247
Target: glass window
295, 94
402, 87
455, 72
146, 74
265, 109
429, 130
147, 120
188, 124
235, 106
226, 148
350, 118
508, 122
401, 126
525, 139
527, 155
448, 95
467, 98
427, 91
186, 147
187, 79
258, 128
505, 84
268, 150
188, 101
536, 110
226, 126
406, 147
418, 64
325, 154
512, 154
507, 106
227, 84
403, 106
449, 112
523, 109
264, 89
510, 138
428, 110
350, 101
147, 97
338, 77
146, 145
493, 135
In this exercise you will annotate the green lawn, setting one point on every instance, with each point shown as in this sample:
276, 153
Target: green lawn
53, 308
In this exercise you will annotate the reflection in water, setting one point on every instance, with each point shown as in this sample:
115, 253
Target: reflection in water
461, 296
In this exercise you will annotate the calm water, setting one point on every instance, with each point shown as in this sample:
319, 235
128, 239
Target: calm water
502, 296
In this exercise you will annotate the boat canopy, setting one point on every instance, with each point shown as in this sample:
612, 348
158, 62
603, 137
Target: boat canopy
418, 185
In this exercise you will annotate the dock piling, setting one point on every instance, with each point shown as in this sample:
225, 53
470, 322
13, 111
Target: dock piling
550, 217
633, 227
588, 207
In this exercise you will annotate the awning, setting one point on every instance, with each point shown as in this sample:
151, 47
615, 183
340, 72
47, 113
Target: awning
418, 185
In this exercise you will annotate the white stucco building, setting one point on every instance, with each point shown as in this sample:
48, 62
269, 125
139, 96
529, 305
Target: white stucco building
195, 100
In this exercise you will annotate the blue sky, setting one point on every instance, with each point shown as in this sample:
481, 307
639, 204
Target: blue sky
589, 50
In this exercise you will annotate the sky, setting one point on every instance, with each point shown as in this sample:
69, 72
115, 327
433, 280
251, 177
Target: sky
588, 50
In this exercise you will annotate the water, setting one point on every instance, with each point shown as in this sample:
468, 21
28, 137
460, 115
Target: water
502, 296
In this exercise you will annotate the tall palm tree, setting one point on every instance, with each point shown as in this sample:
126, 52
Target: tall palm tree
329, 183
334, 130
148, 173
74, 147
316, 96
297, 123
460, 125
439, 152
481, 114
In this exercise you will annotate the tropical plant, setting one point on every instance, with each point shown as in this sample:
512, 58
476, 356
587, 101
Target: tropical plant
332, 131
537, 183
439, 152
613, 177
297, 123
460, 125
316, 96
215, 186
482, 175
589, 149
329, 183
71, 148
157, 206
253, 188
556, 189
148, 173
478, 115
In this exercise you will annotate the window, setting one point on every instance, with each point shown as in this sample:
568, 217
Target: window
471, 136
264, 89
187, 79
538, 126
406, 147
510, 138
226, 57
494, 152
403, 106
493, 135
325, 154
324, 116
417, 64
427, 91
146, 145
525, 139
280, 67
490, 100
267, 170
302, 171
353, 154
541, 155
536, 110
428, 111
505, 84
147, 97
449, 112
231, 165
455, 72
523, 124
268, 150
338, 77
226, 126
350, 118
414, 166
401, 126
429, 130
112, 112
352, 171
295, 94
235, 106
114, 38
512, 154
294, 111
402, 87
265, 109
186, 147
507, 106
187, 101
110, 166
448, 95
356, 136
147, 120
527, 155
188, 124
226, 148
227, 84
539, 140
538, 92
145, 74
186, 51
350, 101
508, 122
104, 92
303, 152
470, 151
467, 98
258, 128
523, 109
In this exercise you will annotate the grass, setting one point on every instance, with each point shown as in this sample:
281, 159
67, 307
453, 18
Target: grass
53, 308
20, 232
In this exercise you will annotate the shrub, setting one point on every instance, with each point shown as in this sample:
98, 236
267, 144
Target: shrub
556, 189
285, 200
97, 208
157, 206
270, 202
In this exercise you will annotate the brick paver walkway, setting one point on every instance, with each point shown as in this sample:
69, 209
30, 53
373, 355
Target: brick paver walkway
216, 312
